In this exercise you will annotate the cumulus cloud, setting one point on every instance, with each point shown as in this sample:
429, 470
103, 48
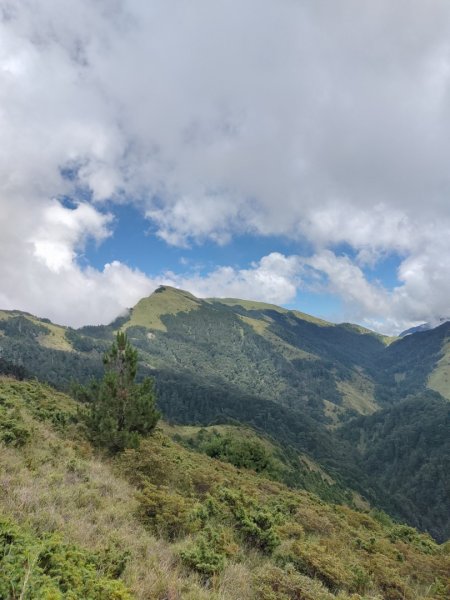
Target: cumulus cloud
347, 280
273, 279
39, 269
314, 120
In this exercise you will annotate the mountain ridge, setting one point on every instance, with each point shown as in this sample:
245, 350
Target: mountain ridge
295, 379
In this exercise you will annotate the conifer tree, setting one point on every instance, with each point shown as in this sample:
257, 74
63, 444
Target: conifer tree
121, 410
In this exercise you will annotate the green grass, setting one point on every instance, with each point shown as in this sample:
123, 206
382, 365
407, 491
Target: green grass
264, 306
33, 566
55, 339
165, 301
385, 339
166, 522
358, 394
261, 327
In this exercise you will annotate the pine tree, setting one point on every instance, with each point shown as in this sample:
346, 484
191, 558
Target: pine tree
120, 409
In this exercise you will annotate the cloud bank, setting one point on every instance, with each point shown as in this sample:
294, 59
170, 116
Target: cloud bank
318, 121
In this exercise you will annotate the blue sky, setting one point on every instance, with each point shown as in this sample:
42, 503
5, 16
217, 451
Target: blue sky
291, 159
134, 242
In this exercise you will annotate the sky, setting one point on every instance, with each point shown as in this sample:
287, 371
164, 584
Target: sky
290, 151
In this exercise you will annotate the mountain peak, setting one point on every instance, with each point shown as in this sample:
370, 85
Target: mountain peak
165, 300
169, 289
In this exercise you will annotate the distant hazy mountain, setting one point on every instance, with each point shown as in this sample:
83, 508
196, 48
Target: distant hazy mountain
424, 326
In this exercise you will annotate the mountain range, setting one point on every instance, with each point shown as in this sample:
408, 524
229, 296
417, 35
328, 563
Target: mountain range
370, 413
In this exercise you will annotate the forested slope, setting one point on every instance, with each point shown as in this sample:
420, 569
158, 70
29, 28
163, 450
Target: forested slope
406, 450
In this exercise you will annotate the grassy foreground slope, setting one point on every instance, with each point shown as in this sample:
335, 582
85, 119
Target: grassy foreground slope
166, 522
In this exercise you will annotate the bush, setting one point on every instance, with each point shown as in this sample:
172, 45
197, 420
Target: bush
207, 555
273, 583
256, 525
239, 451
404, 533
46, 568
167, 513
13, 431
311, 560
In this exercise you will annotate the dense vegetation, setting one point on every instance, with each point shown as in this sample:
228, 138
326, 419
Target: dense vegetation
45, 567
406, 366
243, 448
162, 521
314, 388
406, 449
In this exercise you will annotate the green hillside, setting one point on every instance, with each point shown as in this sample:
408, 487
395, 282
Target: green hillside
259, 349
252, 305
295, 379
413, 363
165, 301
164, 521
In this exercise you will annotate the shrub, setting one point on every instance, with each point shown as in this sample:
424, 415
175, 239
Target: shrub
273, 583
256, 525
207, 555
361, 580
311, 560
167, 513
239, 451
13, 431
46, 568
404, 533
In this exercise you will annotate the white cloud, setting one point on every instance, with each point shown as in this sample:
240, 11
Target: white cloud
329, 121
63, 231
39, 270
422, 294
273, 279
347, 280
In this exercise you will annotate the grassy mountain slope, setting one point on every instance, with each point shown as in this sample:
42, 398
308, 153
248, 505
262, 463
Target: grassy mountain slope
167, 522
165, 301
252, 305
293, 377
244, 447
47, 334
262, 350
279, 355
